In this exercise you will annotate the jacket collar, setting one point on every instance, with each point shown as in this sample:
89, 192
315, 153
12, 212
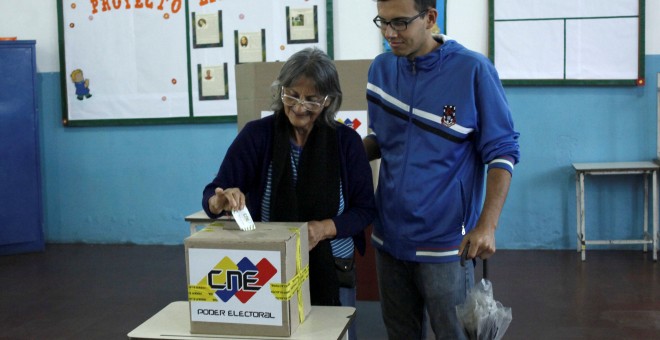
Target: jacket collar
430, 60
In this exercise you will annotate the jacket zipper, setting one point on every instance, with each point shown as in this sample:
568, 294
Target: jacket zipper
408, 126
460, 184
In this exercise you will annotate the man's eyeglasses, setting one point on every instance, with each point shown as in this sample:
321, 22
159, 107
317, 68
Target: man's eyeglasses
308, 105
399, 24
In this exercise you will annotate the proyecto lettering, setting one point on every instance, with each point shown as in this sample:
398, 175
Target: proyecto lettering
108, 5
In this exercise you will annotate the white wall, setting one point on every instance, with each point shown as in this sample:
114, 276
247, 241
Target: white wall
652, 26
356, 36
354, 33
33, 20
467, 22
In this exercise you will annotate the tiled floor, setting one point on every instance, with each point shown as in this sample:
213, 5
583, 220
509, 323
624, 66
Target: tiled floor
105, 291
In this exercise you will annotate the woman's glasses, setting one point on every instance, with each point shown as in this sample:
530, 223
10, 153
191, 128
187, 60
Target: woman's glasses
308, 105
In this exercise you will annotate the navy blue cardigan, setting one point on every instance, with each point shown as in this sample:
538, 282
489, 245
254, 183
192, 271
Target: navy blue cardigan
246, 163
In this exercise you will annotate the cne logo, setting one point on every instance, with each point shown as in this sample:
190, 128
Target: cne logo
242, 280
352, 123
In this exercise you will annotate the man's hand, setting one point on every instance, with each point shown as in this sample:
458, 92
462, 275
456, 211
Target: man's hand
482, 242
482, 237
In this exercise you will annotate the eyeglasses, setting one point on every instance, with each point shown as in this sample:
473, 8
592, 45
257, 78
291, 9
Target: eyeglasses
308, 105
399, 24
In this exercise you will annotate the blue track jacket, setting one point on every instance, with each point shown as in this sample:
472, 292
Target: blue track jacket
439, 120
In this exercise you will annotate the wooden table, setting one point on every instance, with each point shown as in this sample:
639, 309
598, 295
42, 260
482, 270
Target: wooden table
199, 220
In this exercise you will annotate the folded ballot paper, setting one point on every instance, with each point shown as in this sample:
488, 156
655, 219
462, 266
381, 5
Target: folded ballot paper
243, 219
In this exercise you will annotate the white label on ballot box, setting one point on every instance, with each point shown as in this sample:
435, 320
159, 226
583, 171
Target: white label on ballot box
233, 286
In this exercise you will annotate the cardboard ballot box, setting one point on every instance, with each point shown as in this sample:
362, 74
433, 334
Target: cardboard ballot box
253, 283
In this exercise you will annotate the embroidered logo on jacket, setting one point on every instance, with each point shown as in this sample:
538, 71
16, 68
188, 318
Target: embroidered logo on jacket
449, 115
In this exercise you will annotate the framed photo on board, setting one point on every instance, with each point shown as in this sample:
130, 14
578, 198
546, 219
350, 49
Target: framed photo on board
302, 25
207, 30
250, 46
213, 82
171, 62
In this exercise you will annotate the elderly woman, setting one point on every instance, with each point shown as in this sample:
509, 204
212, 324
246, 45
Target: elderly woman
300, 165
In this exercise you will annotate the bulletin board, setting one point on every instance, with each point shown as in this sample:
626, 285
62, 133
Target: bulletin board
568, 42
134, 62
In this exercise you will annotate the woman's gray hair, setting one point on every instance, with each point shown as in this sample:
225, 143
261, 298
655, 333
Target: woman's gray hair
314, 64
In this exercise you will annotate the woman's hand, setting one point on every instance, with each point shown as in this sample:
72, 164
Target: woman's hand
227, 200
319, 231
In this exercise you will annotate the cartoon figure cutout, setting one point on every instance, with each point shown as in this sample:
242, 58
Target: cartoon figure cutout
82, 84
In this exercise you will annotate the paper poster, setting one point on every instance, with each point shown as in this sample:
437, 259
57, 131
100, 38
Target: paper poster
129, 62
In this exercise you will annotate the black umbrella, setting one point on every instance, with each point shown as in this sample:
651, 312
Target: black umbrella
480, 315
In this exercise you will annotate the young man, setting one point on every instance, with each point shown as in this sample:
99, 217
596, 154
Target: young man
441, 126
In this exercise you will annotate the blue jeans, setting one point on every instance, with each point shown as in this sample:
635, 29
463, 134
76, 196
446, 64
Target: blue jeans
406, 288
347, 299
